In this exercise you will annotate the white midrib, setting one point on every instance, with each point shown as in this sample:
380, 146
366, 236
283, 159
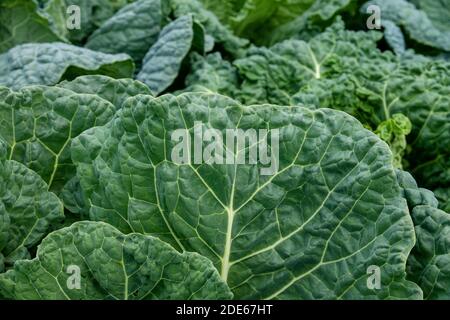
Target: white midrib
230, 217
316, 64
227, 250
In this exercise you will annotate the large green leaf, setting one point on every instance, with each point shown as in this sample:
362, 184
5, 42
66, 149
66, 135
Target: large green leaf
27, 210
22, 22
39, 123
163, 61
113, 90
111, 265
132, 30
49, 63
429, 262
311, 230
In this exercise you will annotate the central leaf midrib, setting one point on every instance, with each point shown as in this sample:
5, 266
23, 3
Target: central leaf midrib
230, 212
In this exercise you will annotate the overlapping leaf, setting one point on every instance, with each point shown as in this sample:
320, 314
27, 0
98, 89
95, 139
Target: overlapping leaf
49, 63
132, 30
27, 210
113, 90
270, 21
428, 263
212, 73
163, 61
22, 22
39, 123
111, 265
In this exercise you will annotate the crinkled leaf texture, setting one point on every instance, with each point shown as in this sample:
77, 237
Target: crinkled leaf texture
39, 123
132, 30
49, 63
22, 22
344, 70
429, 261
162, 63
310, 231
437, 12
27, 210
443, 196
113, 90
212, 73
112, 266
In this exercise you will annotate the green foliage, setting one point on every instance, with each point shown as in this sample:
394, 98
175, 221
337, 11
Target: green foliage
242, 220
327, 201
22, 22
49, 63
113, 266
27, 210
131, 30
428, 264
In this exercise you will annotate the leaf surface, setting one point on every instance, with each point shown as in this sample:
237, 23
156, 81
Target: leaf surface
49, 63
331, 210
111, 266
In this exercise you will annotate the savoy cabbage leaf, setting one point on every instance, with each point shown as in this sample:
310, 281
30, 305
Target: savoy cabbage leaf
27, 210
132, 30
112, 266
310, 230
344, 70
113, 90
212, 73
49, 63
428, 263
437, 12
39, 123
163, 61
22, 22
270, 21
